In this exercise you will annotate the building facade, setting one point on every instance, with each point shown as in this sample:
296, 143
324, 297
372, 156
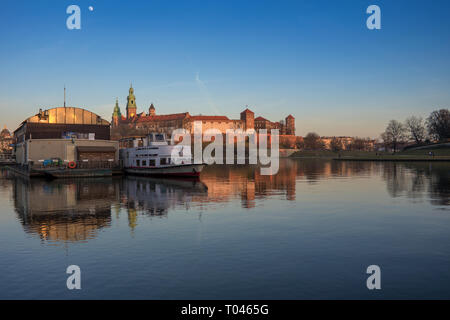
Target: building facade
66, 133
135, 124
6, 142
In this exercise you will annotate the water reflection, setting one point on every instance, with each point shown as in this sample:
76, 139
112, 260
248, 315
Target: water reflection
418, 180
65, 211
154, 197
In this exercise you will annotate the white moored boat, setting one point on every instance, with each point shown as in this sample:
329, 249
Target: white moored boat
152, 155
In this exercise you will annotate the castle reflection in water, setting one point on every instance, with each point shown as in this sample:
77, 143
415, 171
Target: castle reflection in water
72, 211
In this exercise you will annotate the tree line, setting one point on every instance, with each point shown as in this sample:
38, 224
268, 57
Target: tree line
435, 128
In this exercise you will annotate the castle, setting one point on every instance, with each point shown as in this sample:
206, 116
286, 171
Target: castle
134, 124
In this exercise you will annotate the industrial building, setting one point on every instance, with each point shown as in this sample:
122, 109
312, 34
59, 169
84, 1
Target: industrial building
66, 133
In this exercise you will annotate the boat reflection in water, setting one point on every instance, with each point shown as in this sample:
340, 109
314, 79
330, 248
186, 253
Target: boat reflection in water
154, 197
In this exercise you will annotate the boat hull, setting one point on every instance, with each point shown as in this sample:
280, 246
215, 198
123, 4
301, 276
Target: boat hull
78, 173
183, 170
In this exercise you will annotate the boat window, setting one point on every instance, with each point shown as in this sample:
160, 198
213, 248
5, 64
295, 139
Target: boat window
159, 137
163, 161
168, 160
151, 163
144, 163
138, 163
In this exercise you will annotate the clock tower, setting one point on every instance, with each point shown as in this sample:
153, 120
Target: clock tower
131, 104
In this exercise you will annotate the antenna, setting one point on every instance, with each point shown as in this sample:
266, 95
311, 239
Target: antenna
64, 96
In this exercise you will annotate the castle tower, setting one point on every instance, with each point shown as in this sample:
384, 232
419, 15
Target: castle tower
116, 116
131, 104
290, 125
248, 117
151, 110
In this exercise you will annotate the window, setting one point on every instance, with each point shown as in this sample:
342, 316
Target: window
144, 163
138, 163
163, 161
151, 163
168, 160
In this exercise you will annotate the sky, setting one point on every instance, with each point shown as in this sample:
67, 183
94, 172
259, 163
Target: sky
314, 59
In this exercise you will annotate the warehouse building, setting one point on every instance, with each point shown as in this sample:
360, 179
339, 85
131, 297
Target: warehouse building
65, 133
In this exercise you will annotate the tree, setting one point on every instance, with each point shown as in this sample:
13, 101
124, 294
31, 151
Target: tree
394, 134
336, 144
300, 143
313, 142
416, 128
439, 124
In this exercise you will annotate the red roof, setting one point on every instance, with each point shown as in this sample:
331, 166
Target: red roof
260, 119
174, 116
290, 117
247, 111
210, 118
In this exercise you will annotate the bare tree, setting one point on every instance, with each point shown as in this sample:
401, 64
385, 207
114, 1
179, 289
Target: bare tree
313, 142
416, 128
394, 134
439, 124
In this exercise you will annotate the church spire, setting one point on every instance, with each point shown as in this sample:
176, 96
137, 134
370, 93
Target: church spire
117, 115
131, 103
117, 109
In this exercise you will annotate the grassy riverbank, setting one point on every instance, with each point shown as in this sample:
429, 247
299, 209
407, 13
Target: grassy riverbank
439, 154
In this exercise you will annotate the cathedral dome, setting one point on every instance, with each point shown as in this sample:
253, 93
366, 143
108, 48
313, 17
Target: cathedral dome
5, 133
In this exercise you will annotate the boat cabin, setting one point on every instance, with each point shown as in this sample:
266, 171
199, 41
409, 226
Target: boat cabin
150, 151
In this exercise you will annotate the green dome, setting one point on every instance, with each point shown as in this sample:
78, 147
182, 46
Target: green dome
116, 112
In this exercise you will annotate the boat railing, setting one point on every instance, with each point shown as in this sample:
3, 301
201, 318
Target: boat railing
79, 164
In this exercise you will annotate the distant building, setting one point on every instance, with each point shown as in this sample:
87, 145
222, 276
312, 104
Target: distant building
286, 127
142, 123
67, 133
6, 141
349, 143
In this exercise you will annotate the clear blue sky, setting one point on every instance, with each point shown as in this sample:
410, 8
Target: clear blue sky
313, 59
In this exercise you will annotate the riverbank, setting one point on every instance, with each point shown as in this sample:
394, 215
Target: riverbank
440, 154
401, 158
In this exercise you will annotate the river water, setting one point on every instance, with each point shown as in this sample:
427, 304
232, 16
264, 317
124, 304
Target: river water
310, 232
